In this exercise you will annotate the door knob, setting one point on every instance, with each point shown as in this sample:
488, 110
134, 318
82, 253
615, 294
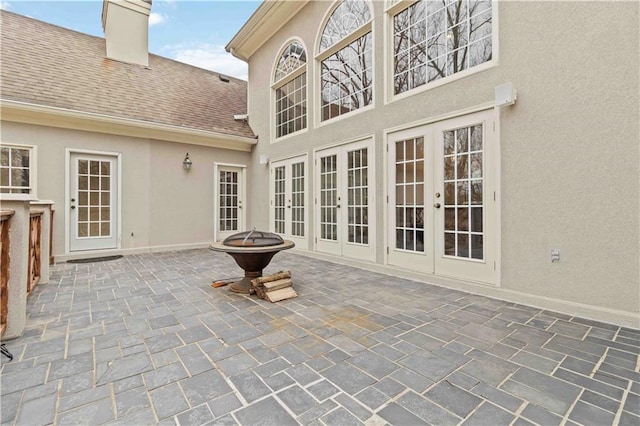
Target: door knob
337, 206
436, 205
437, 195
73, 207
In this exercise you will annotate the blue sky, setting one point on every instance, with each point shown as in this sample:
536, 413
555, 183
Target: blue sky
194, 32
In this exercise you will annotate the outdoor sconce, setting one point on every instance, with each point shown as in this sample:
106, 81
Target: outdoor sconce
263, 159
187, 162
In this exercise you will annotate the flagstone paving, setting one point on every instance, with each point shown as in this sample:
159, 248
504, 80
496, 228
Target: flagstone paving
145, 340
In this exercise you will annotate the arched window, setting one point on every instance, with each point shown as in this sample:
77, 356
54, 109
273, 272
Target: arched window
290, 85
346, 60
437, 38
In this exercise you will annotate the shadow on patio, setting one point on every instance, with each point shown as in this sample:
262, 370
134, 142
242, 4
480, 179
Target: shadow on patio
145, 339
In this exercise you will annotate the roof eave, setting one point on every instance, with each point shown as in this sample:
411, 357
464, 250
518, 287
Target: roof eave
270, 16
27, 113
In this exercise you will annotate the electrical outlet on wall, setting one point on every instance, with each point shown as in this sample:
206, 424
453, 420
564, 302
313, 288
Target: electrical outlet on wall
555, 255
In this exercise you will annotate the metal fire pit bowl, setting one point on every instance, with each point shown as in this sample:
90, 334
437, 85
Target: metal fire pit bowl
252, 251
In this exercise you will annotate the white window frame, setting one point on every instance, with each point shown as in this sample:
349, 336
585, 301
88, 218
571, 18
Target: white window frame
369, 249
301, 242
320, 56
394, 8
275, 85
410, 130
67, 194
216, 194
33, 173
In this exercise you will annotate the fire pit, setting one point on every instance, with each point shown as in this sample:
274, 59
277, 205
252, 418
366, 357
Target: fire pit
252, 251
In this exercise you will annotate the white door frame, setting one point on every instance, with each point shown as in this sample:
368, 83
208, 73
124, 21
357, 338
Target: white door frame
242, 217
432, 130
67, 194
301, 242
345, 248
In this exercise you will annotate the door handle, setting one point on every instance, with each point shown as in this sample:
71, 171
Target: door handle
73, 207
436, 205
337, 206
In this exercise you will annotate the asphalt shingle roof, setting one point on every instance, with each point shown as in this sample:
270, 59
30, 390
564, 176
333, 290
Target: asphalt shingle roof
48, 65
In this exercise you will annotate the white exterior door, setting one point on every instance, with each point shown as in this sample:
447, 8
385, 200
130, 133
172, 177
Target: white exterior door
289, 200
345, 204
230, 201
93, 202
442, 198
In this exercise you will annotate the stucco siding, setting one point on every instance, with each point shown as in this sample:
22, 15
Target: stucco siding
162, 205
569, 156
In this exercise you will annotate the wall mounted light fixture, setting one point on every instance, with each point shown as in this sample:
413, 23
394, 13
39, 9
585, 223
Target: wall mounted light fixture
263, 159
505, 94
186, 163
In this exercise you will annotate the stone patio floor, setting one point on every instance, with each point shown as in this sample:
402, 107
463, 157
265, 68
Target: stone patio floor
146, 339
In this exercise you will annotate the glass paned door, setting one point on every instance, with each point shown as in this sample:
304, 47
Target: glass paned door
230, 201
329, 198
465, 183
289, 200
280, 196
441, 219
410, 192
93, 202
345, 204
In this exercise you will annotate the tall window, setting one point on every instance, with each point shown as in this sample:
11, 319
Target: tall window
346, 59
16, 170
291, 90
438, 38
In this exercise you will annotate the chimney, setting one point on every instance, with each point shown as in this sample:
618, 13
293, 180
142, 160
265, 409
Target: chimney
126, 29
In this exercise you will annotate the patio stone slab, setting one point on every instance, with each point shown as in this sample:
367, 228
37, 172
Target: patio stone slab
348, 378
265, 412
204, 387
126, 367
454, 399
297, 399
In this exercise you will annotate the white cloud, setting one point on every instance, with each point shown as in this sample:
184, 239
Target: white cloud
156, 19
211, 57
5, 5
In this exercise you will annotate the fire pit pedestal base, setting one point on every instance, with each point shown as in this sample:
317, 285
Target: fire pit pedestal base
251, 259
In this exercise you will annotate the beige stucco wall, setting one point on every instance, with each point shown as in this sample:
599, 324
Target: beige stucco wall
162, 205
569, 146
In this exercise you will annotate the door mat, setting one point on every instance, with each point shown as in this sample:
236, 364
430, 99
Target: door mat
95, 259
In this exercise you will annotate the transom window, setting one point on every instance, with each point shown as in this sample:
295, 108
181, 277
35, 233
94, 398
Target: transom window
291, 90
346, 60
16, 169
438, 38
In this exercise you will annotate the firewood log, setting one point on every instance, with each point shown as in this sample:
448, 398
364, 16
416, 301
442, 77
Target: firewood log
277, 285
282, 294
274, 277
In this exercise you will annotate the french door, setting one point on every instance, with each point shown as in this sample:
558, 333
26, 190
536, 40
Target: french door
442, 205
230, 200
345, 203
289, 200
93, 201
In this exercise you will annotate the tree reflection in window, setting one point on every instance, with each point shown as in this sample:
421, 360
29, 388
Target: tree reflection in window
291, 90
347, 60
438, 38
